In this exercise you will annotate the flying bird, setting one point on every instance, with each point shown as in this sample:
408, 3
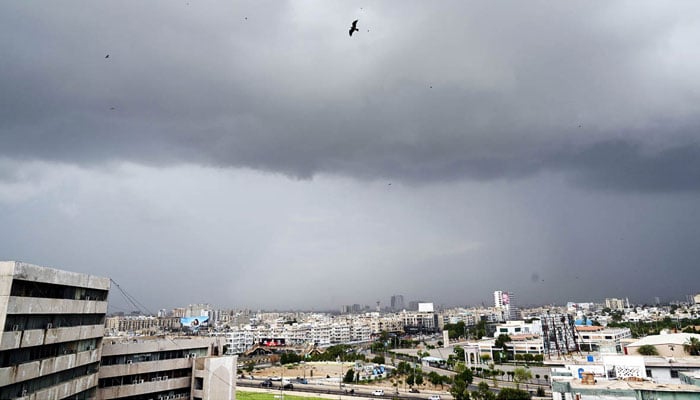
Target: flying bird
107, 56
353, 28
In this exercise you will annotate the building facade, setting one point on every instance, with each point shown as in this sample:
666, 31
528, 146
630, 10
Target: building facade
51, 329
161, 368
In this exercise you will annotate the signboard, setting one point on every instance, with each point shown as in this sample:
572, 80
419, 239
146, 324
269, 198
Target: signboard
505, 298
272, 342
194, 323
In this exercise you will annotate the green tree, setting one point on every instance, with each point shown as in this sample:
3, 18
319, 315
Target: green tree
460, 384
349, 376
501, 341
485, 358
483, 392
521, 375
513, 394
648, 350
419, 378
378, 359
692, 346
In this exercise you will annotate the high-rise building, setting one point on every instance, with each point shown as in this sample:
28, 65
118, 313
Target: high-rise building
51, 329
505, 303
397, 302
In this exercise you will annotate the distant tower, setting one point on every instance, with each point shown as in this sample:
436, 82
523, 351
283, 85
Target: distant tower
397, 302
378, 308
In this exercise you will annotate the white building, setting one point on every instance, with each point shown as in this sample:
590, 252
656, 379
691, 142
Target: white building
163, 368
51, 329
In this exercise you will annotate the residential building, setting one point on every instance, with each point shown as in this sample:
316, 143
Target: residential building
161, 367
667, 345
51, 329
601, 339
615, 304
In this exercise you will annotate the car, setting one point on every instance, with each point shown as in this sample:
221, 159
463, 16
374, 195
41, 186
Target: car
378, 392
288, 386
434, 397
266, 383
413, 390
303, 381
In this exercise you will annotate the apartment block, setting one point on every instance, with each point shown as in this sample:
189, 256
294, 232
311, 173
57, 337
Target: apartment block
163, 368
51, 329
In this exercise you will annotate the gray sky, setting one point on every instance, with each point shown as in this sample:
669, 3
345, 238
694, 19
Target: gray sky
252, 154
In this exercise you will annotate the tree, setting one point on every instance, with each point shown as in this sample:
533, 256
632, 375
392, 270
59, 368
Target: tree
521, 375
349, 376
460, 384
692, 346
647, 350
483, 392
378, 360
501, 341
485, 358
513, 394
540, 392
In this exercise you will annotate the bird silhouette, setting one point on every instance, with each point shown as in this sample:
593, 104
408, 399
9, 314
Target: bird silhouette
353, 28
107, 56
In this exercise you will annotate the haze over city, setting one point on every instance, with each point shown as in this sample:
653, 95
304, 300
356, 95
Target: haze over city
253, 154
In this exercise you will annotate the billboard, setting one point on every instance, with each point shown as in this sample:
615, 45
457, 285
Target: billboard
505, 298
194, 323
272, 342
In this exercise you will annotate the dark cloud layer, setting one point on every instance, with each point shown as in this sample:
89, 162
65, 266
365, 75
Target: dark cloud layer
551, 149
470, 91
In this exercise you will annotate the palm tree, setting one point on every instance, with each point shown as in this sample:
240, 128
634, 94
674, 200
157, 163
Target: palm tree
692, 346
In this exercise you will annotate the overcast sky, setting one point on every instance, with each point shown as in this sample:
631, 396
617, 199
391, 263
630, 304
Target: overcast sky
253, 154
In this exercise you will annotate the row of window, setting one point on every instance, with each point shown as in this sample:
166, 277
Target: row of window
136, 379
153, 356
22, 389
27, 354
22, 288
23, 322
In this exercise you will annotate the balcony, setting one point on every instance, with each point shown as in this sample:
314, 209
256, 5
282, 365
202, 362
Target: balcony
47, 366
116, 392
109, 371
36, 305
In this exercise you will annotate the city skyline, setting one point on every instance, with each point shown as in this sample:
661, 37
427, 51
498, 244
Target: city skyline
255, 154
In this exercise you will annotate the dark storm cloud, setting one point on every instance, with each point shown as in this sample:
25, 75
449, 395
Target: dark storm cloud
471, 91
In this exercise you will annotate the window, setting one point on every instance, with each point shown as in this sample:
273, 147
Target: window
198, 383
674, 373
649, 373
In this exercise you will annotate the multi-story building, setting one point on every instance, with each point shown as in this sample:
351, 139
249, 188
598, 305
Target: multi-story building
51, 329
615, 304
397, 302
141, 324
162, 368
505, 303
602, 340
